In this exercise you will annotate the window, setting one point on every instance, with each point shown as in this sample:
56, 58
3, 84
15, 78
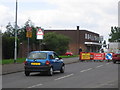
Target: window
37, 56
86, 37
53, 56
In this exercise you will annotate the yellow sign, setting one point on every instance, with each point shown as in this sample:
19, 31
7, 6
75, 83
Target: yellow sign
85, 56
29, 34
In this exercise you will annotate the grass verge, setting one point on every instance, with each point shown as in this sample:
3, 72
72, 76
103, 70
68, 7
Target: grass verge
21, 60
10, 61
69, 56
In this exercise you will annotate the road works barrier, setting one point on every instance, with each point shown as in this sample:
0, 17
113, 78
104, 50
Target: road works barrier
95, 56
108, 56
84, 56
99, 56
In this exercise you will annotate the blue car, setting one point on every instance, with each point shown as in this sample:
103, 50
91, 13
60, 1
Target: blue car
43, 61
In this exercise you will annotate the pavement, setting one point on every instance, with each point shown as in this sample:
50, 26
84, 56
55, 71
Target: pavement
18, 67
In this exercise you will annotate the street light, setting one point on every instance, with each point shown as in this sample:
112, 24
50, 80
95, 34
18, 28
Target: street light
15, 52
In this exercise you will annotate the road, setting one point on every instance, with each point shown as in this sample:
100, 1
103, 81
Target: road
77, 75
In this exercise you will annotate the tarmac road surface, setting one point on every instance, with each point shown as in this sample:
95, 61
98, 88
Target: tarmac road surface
77, 75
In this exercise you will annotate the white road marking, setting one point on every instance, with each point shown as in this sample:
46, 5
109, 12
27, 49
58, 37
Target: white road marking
35, 86
65, 76
99, 66
89, 69
109, 83
86, 70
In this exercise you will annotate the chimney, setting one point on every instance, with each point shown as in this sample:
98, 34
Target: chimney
77, 27
77, 39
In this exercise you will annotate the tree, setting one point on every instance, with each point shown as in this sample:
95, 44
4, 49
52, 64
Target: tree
8, 47
115, 34
22, 35
10, 31
56, 42
22, 32
8, 42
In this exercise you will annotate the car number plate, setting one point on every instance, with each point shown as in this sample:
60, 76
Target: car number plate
35, 63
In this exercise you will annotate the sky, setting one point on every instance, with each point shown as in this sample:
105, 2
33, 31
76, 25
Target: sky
93, 15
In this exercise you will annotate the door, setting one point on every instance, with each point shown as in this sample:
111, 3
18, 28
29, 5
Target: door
56, 62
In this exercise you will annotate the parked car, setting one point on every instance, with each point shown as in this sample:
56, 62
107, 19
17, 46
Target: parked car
69, 53
116, 57
43, 61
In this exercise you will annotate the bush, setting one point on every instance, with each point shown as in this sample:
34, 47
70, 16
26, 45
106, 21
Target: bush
8, 47
56, 42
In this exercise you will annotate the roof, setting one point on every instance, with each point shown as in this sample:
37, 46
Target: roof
42, 51
81, 30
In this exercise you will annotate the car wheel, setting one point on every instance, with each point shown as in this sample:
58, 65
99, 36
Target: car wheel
27, 73
62, 70
50, 72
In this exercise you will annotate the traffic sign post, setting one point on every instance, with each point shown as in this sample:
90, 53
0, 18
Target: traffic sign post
40, 35
28, 34
108, 56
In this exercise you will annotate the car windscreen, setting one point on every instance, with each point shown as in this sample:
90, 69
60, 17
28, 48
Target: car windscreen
39, 55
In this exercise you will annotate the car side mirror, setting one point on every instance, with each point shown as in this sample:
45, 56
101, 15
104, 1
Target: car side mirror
60, 58
57, 58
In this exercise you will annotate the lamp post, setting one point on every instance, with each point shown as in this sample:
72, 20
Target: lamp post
15, 51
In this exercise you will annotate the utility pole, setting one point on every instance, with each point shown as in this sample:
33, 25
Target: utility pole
119, 14
15, 51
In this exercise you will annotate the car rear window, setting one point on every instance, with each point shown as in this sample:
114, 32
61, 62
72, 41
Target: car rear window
37, 55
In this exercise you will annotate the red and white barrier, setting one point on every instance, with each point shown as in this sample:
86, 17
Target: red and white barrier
95, 56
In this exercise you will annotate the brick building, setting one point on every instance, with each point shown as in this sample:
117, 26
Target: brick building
86, 40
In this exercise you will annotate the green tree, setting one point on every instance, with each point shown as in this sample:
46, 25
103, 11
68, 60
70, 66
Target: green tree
9, 30
8, 47
56, 42
115, 34
8, 38
22, 34
8, 42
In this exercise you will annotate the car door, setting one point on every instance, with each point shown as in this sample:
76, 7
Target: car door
56, 62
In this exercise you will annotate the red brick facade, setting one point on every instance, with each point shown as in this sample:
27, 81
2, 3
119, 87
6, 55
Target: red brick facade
78, 39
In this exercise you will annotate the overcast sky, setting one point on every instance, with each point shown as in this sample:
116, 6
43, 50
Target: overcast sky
93, 15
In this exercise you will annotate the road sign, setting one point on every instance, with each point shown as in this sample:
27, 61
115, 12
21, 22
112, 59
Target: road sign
99, 56
40, 34
108, 56
28, 34
85, 56
28, 28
